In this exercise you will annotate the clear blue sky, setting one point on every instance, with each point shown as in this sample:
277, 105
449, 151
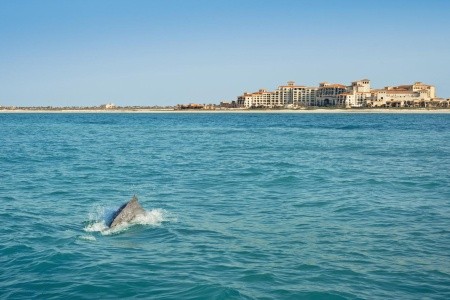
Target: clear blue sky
164, 52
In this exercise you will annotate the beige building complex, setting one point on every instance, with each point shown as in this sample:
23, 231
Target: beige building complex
358, 94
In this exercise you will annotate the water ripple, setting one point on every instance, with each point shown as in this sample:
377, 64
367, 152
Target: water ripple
242, 206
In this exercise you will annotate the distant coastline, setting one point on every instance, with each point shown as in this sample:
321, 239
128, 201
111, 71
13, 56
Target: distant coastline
221, 110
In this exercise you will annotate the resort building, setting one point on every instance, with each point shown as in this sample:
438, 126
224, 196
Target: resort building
289, 95
292, 95
415, 95
358, 94
108, 106
328, 94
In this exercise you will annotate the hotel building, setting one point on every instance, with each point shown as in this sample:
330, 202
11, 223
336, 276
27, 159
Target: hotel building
415, 95
289, 95
358, 94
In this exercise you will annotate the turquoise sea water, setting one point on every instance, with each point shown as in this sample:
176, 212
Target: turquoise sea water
239, 206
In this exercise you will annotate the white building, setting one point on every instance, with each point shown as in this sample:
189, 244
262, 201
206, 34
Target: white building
262, 98
358, 94
108, 106
289, 95
415, 95
292, 95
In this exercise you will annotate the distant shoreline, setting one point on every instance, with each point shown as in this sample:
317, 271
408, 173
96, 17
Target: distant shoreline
245, 111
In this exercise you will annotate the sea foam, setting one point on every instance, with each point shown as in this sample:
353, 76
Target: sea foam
99, 218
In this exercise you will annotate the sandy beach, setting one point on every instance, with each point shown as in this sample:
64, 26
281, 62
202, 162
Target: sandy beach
244, 111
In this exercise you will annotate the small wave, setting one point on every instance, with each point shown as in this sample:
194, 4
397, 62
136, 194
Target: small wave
152, 217
88, 238
96, 227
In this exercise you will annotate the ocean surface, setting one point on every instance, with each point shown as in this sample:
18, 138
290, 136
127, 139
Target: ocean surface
238, 206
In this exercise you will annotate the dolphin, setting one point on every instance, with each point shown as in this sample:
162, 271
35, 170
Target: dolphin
126, 213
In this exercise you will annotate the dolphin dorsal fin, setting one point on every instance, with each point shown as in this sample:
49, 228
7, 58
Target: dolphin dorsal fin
127, 212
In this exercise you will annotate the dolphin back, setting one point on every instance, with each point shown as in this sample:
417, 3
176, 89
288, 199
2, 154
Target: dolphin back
127, 212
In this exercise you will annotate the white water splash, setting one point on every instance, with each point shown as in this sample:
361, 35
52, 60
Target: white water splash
96, 227
88, 238
98, 220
